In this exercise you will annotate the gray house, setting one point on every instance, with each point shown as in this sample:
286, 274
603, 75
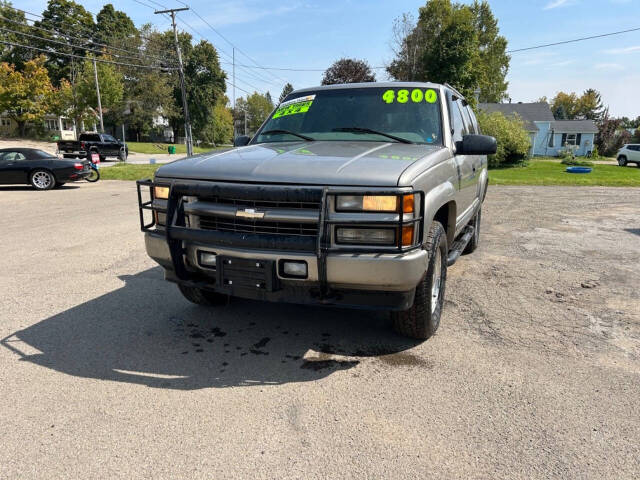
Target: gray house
549, 136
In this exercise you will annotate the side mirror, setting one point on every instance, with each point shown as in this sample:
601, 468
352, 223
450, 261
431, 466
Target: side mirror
241, 141
477, 145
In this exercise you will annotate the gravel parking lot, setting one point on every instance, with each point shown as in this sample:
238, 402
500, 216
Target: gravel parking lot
106, 371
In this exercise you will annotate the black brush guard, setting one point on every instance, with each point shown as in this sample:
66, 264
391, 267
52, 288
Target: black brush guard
177, 232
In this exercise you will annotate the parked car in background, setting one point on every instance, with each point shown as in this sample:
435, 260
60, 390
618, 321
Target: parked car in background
104, 145
42, 170
629, 153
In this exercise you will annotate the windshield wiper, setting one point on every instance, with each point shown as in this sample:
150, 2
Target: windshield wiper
279, 131
369, 130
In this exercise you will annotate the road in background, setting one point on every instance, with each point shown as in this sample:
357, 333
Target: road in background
106, 371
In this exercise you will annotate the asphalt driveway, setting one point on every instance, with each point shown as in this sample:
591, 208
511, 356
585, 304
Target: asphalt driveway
106, 371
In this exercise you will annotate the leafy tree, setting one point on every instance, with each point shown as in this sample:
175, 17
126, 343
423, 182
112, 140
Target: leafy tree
151, 95
110, 81
8, 53
25, 95
114, 26
565, 106
348, 70
453, 43
636, 136
611, 135
570, 106
288, 88
513, 140
257, 108
220, 130
205, 85
67, 17
590, 105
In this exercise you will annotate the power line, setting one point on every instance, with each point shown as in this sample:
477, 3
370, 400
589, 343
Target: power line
231, 43
84, 39
574, 40
50, 40
101, 60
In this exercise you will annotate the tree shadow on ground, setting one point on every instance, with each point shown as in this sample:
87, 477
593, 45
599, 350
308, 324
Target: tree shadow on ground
146, 333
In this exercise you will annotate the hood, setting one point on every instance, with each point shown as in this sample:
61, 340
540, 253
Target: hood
315, 163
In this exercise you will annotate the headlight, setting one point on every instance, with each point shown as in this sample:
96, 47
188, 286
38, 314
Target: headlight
161, 192
366, 236
375, 203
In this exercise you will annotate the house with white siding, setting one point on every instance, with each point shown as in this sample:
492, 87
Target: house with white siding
548, 135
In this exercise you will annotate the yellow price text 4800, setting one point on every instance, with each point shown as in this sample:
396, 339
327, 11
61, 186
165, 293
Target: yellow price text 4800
416, 95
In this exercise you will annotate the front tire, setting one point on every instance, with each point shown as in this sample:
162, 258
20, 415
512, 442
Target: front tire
202, 297
42, 180
622, 161
423, 318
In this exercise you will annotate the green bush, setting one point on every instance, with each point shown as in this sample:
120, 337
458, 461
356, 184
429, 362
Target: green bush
575, 162
513, 140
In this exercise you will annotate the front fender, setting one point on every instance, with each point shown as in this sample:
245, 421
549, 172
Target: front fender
434, 200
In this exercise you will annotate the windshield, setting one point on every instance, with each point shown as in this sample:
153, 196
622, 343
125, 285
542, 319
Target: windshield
371, 114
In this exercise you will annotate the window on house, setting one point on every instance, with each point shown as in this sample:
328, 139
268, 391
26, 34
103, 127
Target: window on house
5, 122
51, 124
552, 135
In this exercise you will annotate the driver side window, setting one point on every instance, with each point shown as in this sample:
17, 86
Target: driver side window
457, 122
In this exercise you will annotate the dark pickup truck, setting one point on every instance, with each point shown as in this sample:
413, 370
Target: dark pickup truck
100, 143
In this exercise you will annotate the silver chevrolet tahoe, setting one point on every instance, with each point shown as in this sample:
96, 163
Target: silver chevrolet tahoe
356, 195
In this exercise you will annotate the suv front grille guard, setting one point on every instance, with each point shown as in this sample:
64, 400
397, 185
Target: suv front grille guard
176, 230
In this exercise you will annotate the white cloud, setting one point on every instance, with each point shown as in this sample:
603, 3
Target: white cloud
623, 51
609, 66
558, 3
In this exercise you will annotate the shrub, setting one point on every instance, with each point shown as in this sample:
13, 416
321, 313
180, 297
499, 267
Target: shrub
513, 140
575, 162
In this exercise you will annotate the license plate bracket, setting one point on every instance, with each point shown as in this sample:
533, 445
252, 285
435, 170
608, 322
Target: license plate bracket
245, 273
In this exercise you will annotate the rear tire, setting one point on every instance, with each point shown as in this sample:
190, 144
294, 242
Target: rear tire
202, 297
423, 318
475, 240
622, 161
42, 180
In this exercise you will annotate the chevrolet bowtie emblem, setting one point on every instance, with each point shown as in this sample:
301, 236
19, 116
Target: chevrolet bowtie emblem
249, 213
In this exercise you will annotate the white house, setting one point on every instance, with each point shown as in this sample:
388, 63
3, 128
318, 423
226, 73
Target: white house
548, 135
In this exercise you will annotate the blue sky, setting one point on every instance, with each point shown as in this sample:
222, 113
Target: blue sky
311, 34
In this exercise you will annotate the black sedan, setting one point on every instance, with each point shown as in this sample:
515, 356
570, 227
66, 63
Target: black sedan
40, 169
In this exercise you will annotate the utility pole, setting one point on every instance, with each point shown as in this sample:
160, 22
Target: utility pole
95, 74
185, 107
234, 78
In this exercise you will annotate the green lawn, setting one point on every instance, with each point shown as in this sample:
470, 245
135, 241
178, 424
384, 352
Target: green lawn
123, 171
542, 172
538, 172
158, 148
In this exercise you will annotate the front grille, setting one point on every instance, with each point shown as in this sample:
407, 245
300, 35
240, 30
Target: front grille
241, 203
291, 217
238, 225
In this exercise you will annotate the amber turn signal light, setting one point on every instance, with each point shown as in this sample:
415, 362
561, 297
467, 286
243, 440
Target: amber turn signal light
407, 235
407, 203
